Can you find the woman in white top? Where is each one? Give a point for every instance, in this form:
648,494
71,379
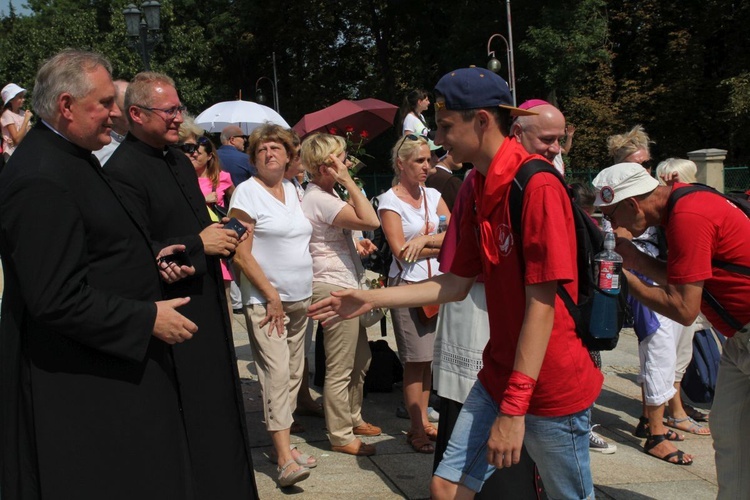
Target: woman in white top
15,123
410,214
414,104
334,268
276,285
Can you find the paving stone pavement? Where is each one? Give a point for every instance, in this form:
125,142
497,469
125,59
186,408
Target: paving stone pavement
398,472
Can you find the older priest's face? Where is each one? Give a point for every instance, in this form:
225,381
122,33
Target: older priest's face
91,115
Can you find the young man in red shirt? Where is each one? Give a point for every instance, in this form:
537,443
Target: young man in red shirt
704,232
538,382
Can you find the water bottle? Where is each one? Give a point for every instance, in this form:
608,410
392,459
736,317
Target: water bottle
443,224
604,308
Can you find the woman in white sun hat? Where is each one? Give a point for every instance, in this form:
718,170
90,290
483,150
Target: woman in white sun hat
15,122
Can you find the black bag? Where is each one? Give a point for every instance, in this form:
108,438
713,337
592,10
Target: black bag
589,242
385,368
380,260
742,204
220,211
699,381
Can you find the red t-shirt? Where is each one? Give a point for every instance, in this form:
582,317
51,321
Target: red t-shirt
568,381
701,227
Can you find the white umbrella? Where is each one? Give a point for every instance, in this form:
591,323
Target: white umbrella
247,115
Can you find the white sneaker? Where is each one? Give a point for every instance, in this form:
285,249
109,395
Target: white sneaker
597,443
432,414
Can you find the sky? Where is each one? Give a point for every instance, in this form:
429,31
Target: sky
4,7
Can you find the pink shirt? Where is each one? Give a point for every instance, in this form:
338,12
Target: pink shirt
225,182
7,118
331,255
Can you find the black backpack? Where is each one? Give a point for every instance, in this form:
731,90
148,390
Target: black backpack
589,242
744,205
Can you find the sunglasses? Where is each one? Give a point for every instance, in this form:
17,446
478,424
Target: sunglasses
608,217
189,148
407,137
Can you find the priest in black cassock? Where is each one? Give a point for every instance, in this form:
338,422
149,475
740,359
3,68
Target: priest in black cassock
89,407
160,183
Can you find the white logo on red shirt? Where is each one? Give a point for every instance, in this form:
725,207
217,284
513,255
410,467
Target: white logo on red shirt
504,239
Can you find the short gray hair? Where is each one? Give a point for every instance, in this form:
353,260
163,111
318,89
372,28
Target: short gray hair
65,72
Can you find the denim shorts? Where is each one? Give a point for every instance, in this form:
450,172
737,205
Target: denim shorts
558,445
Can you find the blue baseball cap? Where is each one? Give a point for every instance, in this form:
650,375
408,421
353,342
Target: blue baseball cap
473,88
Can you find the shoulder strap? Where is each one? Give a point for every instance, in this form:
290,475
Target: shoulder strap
678,193
736,268
524,174
426,227
520,181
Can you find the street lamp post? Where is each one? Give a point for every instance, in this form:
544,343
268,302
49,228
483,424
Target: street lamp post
274,87
494,65
143,28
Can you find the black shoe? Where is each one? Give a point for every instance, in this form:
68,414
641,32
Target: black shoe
237,311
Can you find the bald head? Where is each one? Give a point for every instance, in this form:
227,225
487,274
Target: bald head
540,134
233,135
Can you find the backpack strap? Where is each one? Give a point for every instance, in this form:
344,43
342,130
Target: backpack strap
520,181
524,174
677,194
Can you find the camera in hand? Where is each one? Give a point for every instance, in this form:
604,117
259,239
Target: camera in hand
235,226
179,258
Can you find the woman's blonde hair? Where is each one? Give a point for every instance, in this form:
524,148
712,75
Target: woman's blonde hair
188,129
686,169
404,149
621,146
316,149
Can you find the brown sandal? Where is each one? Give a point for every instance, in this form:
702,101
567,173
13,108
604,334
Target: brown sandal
420,443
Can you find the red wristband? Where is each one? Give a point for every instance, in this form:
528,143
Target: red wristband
517,394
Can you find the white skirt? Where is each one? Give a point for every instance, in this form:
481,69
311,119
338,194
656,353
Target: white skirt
463,330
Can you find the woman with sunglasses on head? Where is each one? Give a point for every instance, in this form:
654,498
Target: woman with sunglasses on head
336,267
409,214
276,288
410,119
216,185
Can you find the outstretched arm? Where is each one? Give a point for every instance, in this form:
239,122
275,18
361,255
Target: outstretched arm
345,304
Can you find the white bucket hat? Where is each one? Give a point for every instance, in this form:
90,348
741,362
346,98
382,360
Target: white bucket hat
10,91
621,181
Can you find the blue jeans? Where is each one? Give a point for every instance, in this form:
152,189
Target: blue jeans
558,445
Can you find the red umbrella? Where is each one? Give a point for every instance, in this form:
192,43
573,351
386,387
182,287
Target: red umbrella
363,119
